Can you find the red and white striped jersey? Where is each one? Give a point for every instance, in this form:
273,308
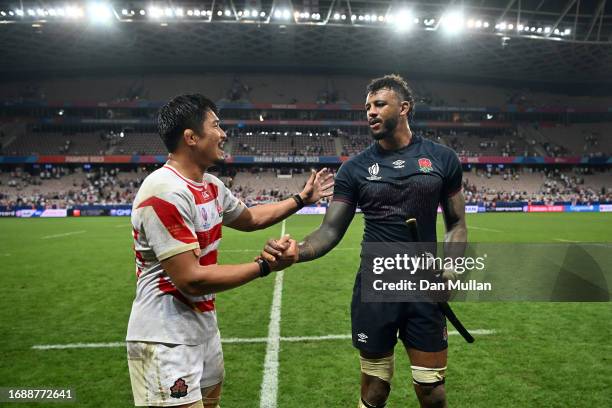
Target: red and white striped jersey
172,214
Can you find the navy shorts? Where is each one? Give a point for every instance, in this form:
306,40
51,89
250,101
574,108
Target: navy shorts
376,326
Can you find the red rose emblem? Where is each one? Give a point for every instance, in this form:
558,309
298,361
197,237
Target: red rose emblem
425,163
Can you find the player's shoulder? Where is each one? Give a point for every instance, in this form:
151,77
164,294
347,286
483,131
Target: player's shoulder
161,183
212,179
166,178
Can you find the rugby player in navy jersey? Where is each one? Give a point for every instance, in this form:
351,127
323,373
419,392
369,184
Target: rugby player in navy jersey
398,177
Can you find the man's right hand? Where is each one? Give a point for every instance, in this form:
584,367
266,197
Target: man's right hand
281,253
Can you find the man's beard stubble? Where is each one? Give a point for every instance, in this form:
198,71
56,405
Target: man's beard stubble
389,126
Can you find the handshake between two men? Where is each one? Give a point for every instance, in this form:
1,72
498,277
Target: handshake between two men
280,253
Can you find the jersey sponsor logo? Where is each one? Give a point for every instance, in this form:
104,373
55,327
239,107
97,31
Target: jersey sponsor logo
398,164
179,389
425,165
373,170
362,337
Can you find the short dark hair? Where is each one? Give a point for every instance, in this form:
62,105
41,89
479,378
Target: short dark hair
395,83
180,113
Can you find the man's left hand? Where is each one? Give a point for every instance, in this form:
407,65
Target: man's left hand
319,185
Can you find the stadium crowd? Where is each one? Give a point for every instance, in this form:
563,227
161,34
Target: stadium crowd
66,187
528,141
554,186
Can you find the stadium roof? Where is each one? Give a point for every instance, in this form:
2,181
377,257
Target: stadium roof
522,40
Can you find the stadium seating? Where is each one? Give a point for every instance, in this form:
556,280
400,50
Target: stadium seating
264,186
92,143
283,88
139,143
538,184
593,139
56,143
353,144
285,143
63,186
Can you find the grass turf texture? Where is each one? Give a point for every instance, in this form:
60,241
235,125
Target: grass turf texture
79,288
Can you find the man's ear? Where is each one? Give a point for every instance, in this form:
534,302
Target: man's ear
405,108
190,137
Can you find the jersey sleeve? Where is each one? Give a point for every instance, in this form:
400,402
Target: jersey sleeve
453,174
232,206
167,222
344,186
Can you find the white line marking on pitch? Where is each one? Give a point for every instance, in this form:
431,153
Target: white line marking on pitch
237,340
269,384
484,229
77,346
65,234
585,243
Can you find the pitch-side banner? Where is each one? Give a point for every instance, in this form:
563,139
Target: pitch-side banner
437,272
153,159
605,208
42,213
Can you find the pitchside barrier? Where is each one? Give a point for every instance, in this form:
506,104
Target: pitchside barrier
126,210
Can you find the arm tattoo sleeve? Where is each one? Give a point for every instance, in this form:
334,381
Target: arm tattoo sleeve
337,219
453,209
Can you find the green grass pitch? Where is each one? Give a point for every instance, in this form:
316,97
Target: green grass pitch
78,288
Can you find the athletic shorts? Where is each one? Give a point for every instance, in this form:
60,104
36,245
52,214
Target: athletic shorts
376,326
164,375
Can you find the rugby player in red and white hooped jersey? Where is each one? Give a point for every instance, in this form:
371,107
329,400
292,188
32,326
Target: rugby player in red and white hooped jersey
173,342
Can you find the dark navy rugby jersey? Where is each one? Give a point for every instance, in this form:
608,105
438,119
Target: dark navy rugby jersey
393,186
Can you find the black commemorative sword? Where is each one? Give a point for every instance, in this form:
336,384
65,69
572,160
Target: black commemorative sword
444,306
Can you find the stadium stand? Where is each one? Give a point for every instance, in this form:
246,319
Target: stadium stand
63,186
592,139
283,143
138,143
258,185
56,143
333,134
280,88
94,143
577,185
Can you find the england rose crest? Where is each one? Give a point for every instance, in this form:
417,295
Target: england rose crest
425,165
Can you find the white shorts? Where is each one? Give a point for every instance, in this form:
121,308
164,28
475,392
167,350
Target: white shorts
165,375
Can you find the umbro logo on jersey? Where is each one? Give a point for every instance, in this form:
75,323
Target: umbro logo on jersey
398,164
362,337
373,170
